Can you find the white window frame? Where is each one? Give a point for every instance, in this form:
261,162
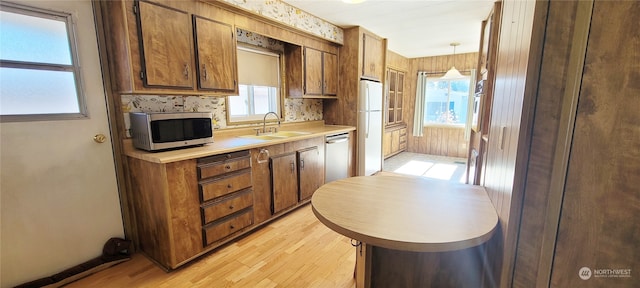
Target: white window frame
279,94
75,68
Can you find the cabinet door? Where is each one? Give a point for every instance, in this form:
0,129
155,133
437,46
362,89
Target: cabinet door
395,141
216,55
372,57
330,72
386,144
313,71
391,92
284,178
165,46
399,97
310,172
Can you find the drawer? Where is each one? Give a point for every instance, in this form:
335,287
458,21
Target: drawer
403,138
213,189
217,231
226,207
217,168
402,146
403,131
223,157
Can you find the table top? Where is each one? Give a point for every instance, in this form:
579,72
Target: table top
407,213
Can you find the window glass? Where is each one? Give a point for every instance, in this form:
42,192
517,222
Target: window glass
53,93
34,39
446,102
39,73
259,86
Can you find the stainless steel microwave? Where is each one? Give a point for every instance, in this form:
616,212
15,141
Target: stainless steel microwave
159,131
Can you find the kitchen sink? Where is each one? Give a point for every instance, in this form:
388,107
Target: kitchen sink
276,135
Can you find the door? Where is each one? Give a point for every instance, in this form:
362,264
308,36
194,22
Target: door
59,196
216,55
330,74
165,46
370,128
310,172
284,178
313,71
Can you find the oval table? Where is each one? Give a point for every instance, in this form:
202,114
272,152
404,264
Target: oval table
412,231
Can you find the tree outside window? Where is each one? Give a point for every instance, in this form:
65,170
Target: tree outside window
446,102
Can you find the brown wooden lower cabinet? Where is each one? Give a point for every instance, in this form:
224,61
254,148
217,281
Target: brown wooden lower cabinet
284,174
187,208
310,169
394,140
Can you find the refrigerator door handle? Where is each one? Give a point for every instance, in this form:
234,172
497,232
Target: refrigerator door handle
368,112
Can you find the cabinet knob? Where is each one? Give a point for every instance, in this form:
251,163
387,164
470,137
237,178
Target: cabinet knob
231,207
229,186
232,227
227,167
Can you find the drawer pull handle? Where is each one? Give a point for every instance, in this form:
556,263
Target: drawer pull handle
229,186
227,167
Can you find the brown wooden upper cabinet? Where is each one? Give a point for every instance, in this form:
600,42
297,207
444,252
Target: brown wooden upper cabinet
165,46
159,49
321,72
372,57
395,94
215,55
311,73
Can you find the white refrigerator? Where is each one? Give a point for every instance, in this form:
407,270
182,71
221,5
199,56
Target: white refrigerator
370,104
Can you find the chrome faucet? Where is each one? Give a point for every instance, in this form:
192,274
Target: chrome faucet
264,121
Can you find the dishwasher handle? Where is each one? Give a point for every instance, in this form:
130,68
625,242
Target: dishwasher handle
337,140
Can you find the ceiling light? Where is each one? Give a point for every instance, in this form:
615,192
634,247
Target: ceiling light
353,1
453,73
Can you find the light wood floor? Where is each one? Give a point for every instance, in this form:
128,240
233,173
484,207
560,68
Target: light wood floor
294,251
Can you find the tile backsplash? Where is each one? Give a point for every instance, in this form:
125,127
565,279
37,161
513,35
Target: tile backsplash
295,110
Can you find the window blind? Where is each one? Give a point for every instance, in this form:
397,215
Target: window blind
257,67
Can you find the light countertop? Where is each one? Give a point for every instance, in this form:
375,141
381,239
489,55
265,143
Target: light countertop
407,213
225,141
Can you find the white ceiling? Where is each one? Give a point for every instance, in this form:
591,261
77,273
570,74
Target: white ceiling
414,28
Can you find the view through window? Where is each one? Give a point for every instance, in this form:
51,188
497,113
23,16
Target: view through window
446,102
39,73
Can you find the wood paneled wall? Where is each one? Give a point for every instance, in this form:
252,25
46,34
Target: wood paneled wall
553,75
397,61
509,130
437,140
581,199
443,141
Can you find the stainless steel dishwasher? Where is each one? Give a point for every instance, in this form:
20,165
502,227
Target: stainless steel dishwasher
336,162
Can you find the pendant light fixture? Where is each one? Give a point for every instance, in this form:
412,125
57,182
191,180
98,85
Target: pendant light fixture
453,73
